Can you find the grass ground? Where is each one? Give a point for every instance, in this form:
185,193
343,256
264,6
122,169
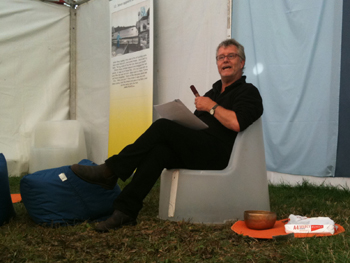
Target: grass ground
154,240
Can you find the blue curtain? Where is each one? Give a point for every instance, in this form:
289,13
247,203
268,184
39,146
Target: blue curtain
293,57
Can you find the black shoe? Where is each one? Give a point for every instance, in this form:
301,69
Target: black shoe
98,174
117,220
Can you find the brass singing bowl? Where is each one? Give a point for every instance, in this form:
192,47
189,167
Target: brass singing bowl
259,220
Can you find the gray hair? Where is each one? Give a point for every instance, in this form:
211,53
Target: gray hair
232,42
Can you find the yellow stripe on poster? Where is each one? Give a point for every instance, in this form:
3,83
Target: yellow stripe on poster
129,118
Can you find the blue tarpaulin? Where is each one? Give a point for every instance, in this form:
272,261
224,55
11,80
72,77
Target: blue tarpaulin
294,56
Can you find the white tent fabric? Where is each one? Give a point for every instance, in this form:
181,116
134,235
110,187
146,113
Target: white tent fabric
293,56
34,73
93,76
34,77
186,37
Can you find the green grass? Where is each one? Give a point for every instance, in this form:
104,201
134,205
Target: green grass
154,240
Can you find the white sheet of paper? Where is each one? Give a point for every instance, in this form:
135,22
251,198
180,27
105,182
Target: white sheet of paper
179,113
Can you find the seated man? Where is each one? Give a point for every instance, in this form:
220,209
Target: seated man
228,108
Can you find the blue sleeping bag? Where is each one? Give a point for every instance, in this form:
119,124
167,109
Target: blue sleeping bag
58,197
6,207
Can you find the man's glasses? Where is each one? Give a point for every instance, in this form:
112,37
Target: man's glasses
230,56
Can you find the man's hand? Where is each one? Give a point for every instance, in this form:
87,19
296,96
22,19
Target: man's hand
226,117
204,103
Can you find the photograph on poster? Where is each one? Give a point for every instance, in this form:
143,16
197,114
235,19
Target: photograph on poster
130,29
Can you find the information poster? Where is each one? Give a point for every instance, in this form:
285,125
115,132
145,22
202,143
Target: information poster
131,96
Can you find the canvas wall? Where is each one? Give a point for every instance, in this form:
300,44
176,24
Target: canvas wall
300,119
34,83
34,73
293,56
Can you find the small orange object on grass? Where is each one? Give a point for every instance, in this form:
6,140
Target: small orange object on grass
16,198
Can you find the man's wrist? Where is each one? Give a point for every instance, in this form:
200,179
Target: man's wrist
212,110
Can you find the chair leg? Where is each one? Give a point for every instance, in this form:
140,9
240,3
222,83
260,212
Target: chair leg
173,193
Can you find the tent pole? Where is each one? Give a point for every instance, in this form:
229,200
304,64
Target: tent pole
73,65
229,18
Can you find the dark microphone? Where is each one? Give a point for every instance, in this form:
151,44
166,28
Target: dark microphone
195,92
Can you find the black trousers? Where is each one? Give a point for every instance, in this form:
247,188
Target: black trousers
165,144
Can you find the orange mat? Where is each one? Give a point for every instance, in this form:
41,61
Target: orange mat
278,230
16,198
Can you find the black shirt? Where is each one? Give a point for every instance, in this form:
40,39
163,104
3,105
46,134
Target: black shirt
242,98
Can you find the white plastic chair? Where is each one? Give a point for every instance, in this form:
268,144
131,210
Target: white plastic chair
55,144
214,197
